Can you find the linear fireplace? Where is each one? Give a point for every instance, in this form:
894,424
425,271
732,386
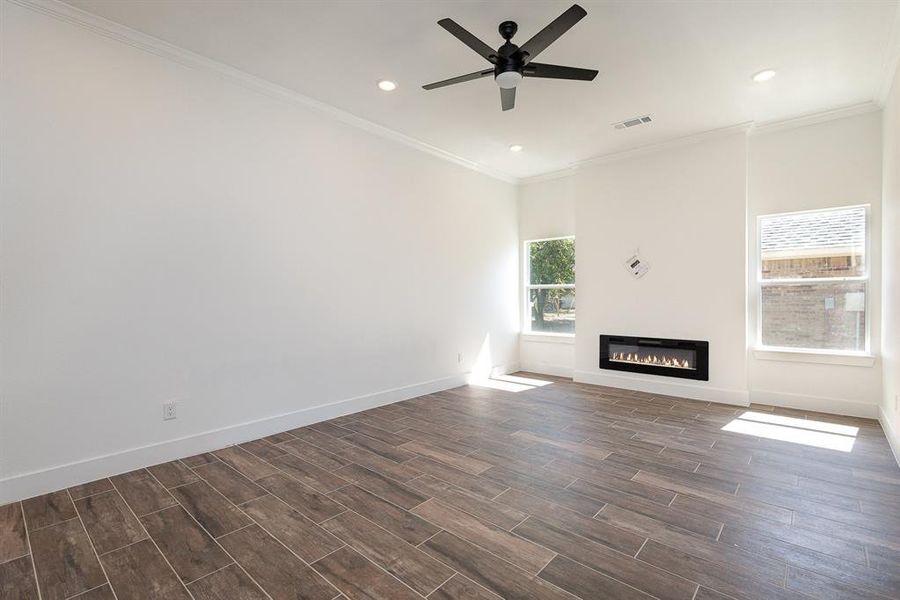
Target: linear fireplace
688,359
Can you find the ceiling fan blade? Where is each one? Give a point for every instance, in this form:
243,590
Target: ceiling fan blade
457,31
552,32
460,79
508,98
558,72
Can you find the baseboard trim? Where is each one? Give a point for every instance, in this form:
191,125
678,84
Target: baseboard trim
506,369
890,433
26,485
834,406
548,369
694,392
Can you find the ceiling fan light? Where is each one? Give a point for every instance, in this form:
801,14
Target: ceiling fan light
386,85
508,79
765,75
515,148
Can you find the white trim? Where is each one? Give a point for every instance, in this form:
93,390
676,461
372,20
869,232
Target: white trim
550,286
821,252
822,404
824,116
890,433
687,140
891,61
55,478
816,210
547,338
815,356
751,127
668,388
677,142
808,280
548,176
501,370
543,368
550,239
141,41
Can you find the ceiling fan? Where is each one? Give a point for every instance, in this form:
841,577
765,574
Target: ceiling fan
511,62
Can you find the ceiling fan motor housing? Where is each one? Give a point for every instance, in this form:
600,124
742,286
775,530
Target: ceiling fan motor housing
510,60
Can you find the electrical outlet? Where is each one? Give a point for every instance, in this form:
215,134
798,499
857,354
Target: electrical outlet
460,358
169,411
897,403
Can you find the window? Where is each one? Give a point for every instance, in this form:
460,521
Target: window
813,275
550,286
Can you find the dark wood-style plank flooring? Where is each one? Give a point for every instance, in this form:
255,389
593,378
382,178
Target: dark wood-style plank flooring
558,491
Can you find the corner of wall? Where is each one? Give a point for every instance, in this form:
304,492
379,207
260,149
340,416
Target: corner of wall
888,414
890,433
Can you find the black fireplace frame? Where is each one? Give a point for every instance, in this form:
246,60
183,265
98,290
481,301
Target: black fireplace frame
701,373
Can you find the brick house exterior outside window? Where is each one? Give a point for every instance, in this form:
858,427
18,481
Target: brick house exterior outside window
813,280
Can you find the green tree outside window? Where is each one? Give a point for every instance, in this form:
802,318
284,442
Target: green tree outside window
551,285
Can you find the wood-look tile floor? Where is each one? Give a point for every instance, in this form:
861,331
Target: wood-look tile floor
555,492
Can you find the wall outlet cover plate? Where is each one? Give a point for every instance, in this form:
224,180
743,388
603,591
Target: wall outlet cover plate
169,411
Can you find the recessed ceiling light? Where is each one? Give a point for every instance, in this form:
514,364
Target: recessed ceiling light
764,75
515,148
386,85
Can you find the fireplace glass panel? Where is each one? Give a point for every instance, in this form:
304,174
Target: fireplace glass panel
675,358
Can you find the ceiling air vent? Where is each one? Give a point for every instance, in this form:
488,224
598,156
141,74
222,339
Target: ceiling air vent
633,122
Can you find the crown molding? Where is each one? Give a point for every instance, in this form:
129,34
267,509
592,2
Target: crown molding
147,43
639,151
749,127
891,61
687,140
548,176
824,116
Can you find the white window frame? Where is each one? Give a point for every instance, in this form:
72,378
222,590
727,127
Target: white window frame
774,351
527,287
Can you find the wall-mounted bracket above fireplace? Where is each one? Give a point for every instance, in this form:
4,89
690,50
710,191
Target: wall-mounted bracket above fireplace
688,359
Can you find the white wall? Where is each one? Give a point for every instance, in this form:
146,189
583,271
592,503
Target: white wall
685,208
890,351
168,234
831,164
686,204
546,210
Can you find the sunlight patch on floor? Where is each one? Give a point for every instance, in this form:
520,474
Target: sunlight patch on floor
509,383
830,436
522,380
800,423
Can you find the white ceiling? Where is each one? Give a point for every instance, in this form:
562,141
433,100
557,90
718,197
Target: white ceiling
688,64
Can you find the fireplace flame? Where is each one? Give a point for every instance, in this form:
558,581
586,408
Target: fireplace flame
653,359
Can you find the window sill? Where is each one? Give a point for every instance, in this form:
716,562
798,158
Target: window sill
821,357
548,338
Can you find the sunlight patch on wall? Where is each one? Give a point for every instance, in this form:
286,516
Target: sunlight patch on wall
483,367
